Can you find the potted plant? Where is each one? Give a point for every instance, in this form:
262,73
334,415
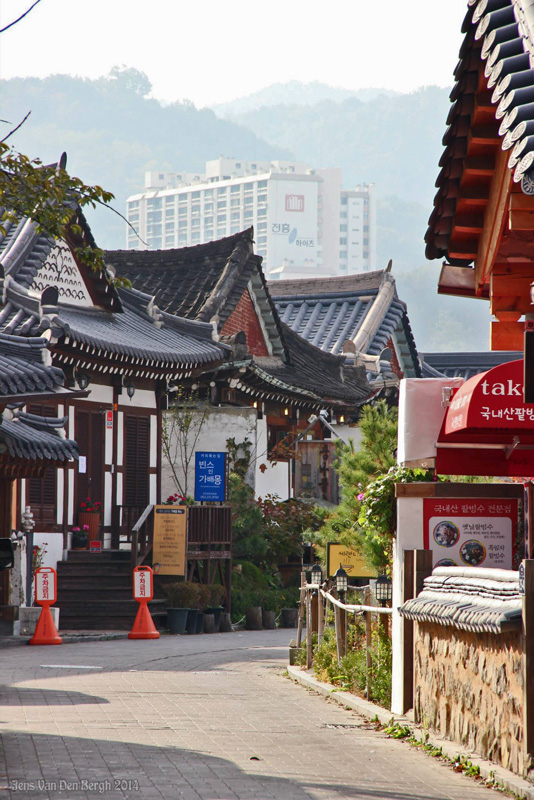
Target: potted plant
182,597
204,595
80,538
89,517
216,603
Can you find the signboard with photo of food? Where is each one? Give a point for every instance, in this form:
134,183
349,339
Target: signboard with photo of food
470,532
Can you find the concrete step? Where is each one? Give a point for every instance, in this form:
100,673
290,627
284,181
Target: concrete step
109,555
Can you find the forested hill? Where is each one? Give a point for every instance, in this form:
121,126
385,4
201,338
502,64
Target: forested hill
112,133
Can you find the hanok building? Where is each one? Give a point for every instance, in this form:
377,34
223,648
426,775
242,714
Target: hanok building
483,217
275,381
117,344
32,445
482,227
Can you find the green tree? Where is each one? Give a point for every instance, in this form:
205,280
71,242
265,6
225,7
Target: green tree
51,198
357,468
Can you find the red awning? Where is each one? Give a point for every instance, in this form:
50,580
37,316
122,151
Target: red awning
488,429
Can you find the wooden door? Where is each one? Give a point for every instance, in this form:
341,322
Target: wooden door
89,433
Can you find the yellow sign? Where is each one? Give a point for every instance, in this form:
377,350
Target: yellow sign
350,559
170,540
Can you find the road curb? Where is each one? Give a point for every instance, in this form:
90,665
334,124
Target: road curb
488,769
68,638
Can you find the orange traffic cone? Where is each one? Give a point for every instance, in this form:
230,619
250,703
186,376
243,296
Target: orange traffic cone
143,627
46,631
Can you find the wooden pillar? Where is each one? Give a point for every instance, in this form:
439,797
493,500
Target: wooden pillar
528,663
301,607
320,617
407,632
309,631
315,612
368,638
422,569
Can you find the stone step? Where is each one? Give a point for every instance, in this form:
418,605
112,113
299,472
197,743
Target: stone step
94,582
102,568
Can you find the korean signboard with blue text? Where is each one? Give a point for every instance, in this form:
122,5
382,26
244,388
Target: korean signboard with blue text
210,477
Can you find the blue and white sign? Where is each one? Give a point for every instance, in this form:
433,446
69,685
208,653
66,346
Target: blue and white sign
210,477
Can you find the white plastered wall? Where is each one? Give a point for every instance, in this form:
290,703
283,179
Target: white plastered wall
409,537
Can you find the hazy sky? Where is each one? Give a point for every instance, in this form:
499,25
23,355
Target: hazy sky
213,51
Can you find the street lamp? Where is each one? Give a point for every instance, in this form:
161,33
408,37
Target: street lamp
316,575
342,581
383,590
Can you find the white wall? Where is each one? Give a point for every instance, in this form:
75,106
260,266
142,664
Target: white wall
221,424
409,537
239,424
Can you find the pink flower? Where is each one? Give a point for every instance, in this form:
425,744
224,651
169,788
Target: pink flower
86,527
360,497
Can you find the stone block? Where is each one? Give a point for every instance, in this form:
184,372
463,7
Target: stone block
28,618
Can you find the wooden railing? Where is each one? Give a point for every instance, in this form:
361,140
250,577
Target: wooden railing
209,531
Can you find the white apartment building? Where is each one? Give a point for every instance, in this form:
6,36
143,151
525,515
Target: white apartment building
305,223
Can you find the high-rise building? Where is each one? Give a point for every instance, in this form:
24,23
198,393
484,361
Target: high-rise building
304,222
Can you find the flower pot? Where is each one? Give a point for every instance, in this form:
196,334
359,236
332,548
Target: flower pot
253,619
209,623
290,617
92,519
79,541
177,619
226,623
216,611
268,619
200,622
191,624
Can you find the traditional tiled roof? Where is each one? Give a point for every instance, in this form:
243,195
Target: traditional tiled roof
207,281
324,376
363,308
122,324
464,365
470,598
204,282
492,110
25,377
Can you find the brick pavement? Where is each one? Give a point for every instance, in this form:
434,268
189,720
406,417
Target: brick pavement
195,718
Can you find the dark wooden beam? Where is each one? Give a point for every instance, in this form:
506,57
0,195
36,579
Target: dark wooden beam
494,219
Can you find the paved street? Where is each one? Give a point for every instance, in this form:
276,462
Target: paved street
195,718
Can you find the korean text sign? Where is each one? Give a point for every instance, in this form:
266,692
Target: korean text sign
471,532
210,477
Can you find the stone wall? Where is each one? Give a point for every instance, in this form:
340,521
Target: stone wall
469,689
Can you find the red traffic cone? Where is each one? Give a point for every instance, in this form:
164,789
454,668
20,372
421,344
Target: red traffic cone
46,631
143,627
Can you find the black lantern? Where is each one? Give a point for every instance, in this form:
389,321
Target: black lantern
342,581
130,390
383,590
82,380
316,575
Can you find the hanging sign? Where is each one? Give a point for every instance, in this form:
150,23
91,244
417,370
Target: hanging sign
170,540
210,477
45,586
339,555
143,589
472,532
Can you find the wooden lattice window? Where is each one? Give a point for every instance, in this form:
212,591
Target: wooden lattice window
136,460
41,493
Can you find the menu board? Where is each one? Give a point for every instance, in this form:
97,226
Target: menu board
170,540
470,532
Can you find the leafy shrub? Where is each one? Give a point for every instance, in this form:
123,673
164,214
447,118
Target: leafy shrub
351,673
204,596
217,594
182,594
